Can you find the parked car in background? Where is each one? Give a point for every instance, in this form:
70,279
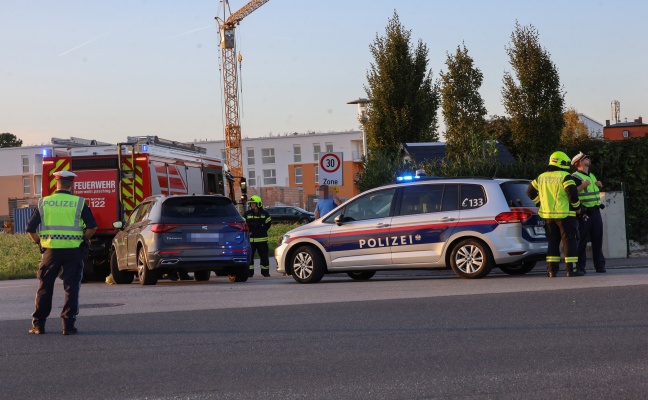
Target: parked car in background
290,214
470,225
166,234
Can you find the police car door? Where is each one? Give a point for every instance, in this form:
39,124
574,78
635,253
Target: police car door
362,237
424,217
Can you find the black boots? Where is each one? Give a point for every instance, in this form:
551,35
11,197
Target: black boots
37,328
265,272
68,327
571,272
552,270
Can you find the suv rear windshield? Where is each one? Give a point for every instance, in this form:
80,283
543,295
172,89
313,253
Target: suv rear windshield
515,193
200,207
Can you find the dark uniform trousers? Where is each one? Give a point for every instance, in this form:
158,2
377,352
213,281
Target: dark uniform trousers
563,230
52,262
591,227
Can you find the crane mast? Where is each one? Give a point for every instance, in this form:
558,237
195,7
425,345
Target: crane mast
226,27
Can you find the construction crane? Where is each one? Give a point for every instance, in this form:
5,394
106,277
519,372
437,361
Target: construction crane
226,26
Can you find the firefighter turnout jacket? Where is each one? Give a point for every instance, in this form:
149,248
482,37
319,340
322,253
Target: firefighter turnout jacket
556,194
258,223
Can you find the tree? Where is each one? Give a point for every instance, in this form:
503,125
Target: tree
535,100
462,105
575,131
404,100
9,140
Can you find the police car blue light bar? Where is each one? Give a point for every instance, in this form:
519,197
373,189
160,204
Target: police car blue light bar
408,178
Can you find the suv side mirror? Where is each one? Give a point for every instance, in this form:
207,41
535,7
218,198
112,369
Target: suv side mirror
118,224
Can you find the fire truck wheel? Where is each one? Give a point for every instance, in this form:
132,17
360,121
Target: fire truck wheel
146,276
202,275
120,277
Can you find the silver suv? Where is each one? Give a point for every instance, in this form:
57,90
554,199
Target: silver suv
468,224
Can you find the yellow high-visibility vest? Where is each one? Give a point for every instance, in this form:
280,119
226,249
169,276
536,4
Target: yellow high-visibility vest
590,196
61,226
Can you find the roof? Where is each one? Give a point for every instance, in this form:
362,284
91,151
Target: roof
436,151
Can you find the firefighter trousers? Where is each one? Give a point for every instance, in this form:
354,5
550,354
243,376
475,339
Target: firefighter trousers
264,261
565,231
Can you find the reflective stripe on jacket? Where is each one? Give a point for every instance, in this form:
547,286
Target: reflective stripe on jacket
552,187
258,224
590,196
61,226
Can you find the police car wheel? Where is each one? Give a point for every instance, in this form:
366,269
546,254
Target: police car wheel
471,259
361,275
145,275
307,265
518,269
120,277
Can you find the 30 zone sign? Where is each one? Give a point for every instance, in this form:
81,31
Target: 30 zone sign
330,169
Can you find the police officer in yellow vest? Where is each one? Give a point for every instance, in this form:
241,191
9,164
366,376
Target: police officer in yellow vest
258,221
557,197
66,223
590,226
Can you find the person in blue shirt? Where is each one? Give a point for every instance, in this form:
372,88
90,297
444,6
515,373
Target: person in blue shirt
325,202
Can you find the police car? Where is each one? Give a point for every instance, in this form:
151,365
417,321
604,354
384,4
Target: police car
468,224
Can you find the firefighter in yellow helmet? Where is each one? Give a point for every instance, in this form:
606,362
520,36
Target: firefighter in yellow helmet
556,195
258,221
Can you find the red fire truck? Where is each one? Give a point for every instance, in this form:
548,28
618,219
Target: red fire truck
114,179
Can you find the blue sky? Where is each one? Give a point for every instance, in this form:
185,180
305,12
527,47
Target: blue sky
106,69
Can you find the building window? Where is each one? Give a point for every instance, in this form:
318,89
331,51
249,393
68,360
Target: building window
250,156
269,177
267,156
329,147
25,164
37,184
251,180
298,175
26,185
316,151
38,164
297,153
316,174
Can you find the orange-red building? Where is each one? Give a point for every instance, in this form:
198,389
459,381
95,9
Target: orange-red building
625,130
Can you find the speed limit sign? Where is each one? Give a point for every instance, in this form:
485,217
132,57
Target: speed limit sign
330,169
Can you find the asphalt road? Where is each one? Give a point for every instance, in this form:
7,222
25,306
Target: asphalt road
398,336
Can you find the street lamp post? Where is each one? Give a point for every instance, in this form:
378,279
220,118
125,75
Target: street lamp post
363,106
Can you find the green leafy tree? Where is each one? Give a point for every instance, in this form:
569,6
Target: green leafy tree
404,100
9,140
533,99
462,105
575,131
499,127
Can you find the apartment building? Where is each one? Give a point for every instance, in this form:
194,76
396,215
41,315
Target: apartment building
291,160
21,176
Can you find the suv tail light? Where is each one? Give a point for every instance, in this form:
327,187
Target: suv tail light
159,228
512,217
241,226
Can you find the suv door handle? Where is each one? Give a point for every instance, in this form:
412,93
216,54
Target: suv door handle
382,225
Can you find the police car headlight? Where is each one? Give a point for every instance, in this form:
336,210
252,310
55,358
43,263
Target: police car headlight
283,239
